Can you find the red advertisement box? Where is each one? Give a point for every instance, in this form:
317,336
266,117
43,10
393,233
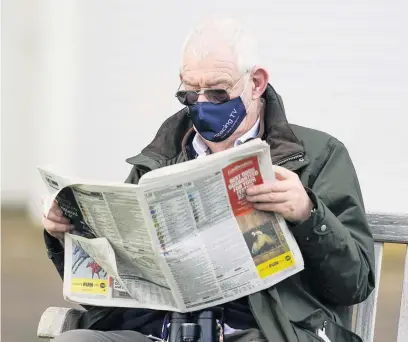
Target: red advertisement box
238,177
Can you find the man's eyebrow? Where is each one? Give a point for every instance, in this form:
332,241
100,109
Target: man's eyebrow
211,82
219,80
188,82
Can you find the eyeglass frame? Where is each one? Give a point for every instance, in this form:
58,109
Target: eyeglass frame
202,91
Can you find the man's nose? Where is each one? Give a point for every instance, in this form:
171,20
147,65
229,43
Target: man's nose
202,98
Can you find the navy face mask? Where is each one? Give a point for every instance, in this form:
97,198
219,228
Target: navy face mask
217,122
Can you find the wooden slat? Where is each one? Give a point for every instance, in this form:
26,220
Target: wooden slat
366,311
392,228
403,318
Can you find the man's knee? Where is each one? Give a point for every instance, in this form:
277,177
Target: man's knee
80,335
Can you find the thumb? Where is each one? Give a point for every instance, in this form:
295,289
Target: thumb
48,203
283,174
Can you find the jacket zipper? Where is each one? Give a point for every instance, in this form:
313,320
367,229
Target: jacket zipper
293,157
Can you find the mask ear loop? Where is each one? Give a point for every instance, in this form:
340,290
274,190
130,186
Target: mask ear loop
252,101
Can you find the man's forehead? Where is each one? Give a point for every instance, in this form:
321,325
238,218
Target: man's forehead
210,71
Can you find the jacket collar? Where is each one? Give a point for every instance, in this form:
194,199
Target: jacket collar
278,133
177,131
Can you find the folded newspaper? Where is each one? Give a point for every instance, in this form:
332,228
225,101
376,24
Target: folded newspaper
183,239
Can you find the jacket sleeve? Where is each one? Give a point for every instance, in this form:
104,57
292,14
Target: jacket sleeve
336,241
55,252
135,175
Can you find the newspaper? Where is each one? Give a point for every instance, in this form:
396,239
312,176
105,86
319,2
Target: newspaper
183,239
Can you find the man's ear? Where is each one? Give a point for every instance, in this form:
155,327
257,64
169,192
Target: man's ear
260,80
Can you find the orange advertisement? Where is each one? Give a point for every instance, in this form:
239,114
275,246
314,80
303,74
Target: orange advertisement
238,177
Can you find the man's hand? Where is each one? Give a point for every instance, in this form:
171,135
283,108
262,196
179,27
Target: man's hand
56,223
285,196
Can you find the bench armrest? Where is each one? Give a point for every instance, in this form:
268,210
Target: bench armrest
54,321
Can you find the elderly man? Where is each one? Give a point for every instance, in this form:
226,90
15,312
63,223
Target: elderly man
229,101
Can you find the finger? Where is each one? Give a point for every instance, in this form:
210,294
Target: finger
259,189
282,173
52,226
275,186
57,235
54,204
271,197
56,210
55,216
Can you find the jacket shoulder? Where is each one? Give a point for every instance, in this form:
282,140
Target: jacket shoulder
320,149
316,143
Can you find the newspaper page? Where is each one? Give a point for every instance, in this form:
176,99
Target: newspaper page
184,239
116,290
82,275
130,277
215,246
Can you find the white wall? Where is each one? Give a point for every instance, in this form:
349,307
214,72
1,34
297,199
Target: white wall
38,104
103,66
16,73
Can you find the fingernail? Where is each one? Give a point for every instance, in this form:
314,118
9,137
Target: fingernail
59,212
71,226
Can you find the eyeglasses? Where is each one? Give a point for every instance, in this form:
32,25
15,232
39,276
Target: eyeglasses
216,96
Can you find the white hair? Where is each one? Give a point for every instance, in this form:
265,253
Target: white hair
208,35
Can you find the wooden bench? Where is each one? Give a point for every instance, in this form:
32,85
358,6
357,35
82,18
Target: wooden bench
386,228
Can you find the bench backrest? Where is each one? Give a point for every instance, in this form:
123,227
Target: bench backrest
386,228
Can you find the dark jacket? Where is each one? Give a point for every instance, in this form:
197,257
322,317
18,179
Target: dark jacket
336,241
